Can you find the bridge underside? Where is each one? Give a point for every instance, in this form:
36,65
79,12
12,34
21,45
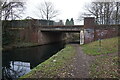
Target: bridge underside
62,29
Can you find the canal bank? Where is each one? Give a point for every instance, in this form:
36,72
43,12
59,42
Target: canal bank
55,66
70,62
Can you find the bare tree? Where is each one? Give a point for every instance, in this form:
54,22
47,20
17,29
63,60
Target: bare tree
0,9
117,14
12,10
47,11
92,9
104,11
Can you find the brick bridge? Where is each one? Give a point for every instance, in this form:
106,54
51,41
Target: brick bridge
49,34
89,34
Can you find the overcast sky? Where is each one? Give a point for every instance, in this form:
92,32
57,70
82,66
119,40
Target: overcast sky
68,8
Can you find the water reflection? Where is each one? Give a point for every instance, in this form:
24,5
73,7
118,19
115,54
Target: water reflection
15,69
20,61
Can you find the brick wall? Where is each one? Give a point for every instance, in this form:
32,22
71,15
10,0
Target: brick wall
94,32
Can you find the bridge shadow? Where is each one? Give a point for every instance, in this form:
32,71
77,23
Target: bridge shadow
74,42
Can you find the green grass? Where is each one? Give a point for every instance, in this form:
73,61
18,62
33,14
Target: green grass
107,46
105,67
52,67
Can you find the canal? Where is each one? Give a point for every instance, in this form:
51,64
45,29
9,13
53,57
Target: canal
20,61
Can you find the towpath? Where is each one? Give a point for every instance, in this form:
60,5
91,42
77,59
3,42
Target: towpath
80,64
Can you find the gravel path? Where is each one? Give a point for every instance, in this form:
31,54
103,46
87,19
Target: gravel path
81,63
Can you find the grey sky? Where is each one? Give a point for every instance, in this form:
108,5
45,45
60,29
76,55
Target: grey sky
68,8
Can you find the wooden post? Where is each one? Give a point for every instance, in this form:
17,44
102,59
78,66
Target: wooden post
79,35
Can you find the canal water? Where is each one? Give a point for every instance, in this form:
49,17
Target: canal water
20,61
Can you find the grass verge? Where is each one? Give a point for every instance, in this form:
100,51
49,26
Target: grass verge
107,46
52,67
105,65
